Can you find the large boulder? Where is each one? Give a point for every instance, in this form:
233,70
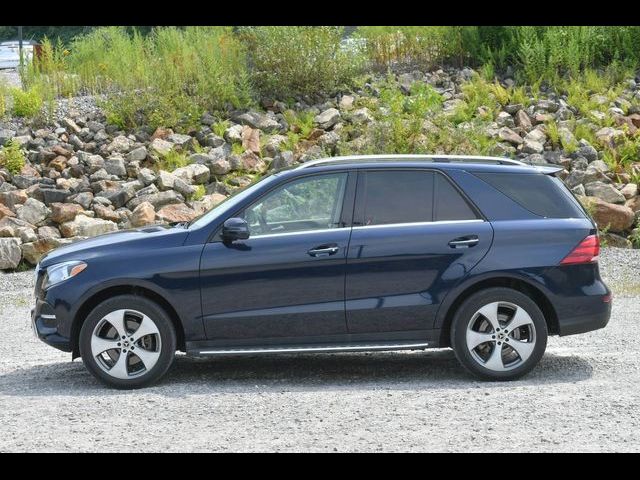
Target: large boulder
143,214
604,191
194,173
177,213
83,226
327,119
617,218
10,253
34,251
33,211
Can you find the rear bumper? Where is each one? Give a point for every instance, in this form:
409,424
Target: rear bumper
45,327
596,316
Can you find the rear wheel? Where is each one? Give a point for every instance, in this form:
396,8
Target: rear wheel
128,342
499,334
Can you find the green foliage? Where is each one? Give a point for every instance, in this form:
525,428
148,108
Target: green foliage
635,237
168,77
237,149
199,193
172,160
290,61
12,158
27,103
300,123
553,133
584,131
3,100
423,46
220,127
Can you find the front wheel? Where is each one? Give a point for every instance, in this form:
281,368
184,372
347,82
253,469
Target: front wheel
499,334
128,341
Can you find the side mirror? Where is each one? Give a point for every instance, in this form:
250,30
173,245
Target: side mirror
235,229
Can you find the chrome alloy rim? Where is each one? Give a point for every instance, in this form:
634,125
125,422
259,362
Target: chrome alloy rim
501,336
126,343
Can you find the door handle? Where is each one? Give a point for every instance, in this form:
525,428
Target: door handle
324,250
464,242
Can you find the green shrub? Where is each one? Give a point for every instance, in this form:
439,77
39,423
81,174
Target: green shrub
199,193
172,160
27,103
423,46
12,158
169,77
289,61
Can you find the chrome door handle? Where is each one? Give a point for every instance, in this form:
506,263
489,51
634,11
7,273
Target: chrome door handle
323,251
464,242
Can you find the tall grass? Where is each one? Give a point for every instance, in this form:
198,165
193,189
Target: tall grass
169,77
288,61
389,46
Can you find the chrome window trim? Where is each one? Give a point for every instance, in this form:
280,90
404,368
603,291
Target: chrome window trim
416,224
299,232
360,227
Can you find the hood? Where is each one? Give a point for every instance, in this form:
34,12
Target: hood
112,242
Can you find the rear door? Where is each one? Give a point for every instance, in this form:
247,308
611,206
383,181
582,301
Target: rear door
415,235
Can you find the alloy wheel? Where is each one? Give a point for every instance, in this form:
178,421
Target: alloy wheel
501,336
126,344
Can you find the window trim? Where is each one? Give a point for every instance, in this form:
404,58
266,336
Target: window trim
346,214
358,215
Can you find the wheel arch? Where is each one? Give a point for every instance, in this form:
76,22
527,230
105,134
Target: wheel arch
95,298
513,282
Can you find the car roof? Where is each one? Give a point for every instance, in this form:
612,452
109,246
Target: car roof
442,162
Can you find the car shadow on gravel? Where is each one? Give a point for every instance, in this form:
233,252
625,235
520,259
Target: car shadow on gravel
418,371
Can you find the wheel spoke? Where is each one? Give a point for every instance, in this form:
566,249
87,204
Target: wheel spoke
495,360
520,319
490,312
99,345
119,369
147,357
147,327
476,338
523,349
116,319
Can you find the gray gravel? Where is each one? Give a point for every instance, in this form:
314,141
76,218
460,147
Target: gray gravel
584,395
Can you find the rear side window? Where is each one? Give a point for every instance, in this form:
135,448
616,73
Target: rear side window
449,203
397,197
540,194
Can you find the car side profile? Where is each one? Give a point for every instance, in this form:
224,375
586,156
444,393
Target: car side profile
487,256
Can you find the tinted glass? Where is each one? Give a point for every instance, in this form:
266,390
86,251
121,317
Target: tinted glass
450,204
398,197
540,194
309,203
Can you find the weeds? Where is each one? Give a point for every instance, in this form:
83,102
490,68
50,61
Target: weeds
12,158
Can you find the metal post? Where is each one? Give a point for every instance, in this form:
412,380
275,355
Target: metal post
20,47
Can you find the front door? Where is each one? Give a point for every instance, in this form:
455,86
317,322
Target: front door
285,284
414,237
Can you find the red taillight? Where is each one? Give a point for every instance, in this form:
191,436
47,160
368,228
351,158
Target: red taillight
586,252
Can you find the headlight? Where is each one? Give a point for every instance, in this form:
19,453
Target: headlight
62,271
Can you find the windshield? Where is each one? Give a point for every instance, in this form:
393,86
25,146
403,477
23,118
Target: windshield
228,203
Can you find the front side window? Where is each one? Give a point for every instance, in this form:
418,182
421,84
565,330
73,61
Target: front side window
309,203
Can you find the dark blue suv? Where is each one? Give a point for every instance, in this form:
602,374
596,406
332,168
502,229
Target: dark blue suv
487,256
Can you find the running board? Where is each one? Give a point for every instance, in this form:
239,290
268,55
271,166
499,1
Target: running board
309,348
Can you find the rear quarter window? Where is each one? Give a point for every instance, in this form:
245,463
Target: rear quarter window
542,195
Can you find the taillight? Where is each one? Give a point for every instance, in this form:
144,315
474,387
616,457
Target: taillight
587,251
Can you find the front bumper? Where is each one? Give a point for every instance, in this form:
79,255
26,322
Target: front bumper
45,326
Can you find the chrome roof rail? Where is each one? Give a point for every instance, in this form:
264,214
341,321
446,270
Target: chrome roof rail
414,157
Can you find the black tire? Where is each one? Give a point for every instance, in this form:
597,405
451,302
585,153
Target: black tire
472,360
166,346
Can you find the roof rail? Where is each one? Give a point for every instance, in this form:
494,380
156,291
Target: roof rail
414,157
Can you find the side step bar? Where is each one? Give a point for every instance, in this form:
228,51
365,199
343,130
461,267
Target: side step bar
308,348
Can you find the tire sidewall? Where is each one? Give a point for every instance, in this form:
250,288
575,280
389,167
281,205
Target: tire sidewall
463,317
154,312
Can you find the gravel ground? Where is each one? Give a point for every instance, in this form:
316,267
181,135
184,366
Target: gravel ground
584,395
